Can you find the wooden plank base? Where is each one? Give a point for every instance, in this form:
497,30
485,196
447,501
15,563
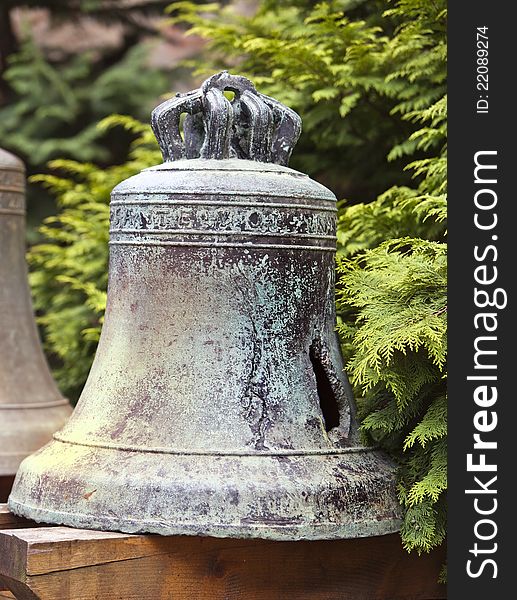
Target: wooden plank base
60,563
10,521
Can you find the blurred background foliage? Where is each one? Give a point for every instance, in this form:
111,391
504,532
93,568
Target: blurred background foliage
369,80
66,64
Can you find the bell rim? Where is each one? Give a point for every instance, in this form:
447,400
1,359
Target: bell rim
307,531
277,498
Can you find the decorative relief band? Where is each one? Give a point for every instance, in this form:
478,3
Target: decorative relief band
208,244
11,178
48,404
12,202
120,200
225,220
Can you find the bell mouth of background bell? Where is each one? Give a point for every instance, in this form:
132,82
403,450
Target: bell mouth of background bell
34,405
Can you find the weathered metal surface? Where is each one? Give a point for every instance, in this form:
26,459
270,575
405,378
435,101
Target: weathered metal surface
31,408
217,403
253,126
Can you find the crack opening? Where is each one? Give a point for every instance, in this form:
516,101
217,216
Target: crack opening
327,398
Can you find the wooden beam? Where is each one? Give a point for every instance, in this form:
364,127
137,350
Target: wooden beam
59,563
10,521
6,483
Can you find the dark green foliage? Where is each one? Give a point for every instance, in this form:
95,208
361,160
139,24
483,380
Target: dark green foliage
129,14
393,295
393,298
51,101
334,62
57,106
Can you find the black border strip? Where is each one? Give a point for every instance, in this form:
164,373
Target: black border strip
472,132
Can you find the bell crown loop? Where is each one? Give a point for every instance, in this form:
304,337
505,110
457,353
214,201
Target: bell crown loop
252,126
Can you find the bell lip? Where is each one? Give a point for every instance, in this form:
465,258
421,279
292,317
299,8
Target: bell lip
291,532
277,498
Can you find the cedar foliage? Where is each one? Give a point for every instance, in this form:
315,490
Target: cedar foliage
369,81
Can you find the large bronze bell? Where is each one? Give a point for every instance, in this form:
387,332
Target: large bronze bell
217,403
31,408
